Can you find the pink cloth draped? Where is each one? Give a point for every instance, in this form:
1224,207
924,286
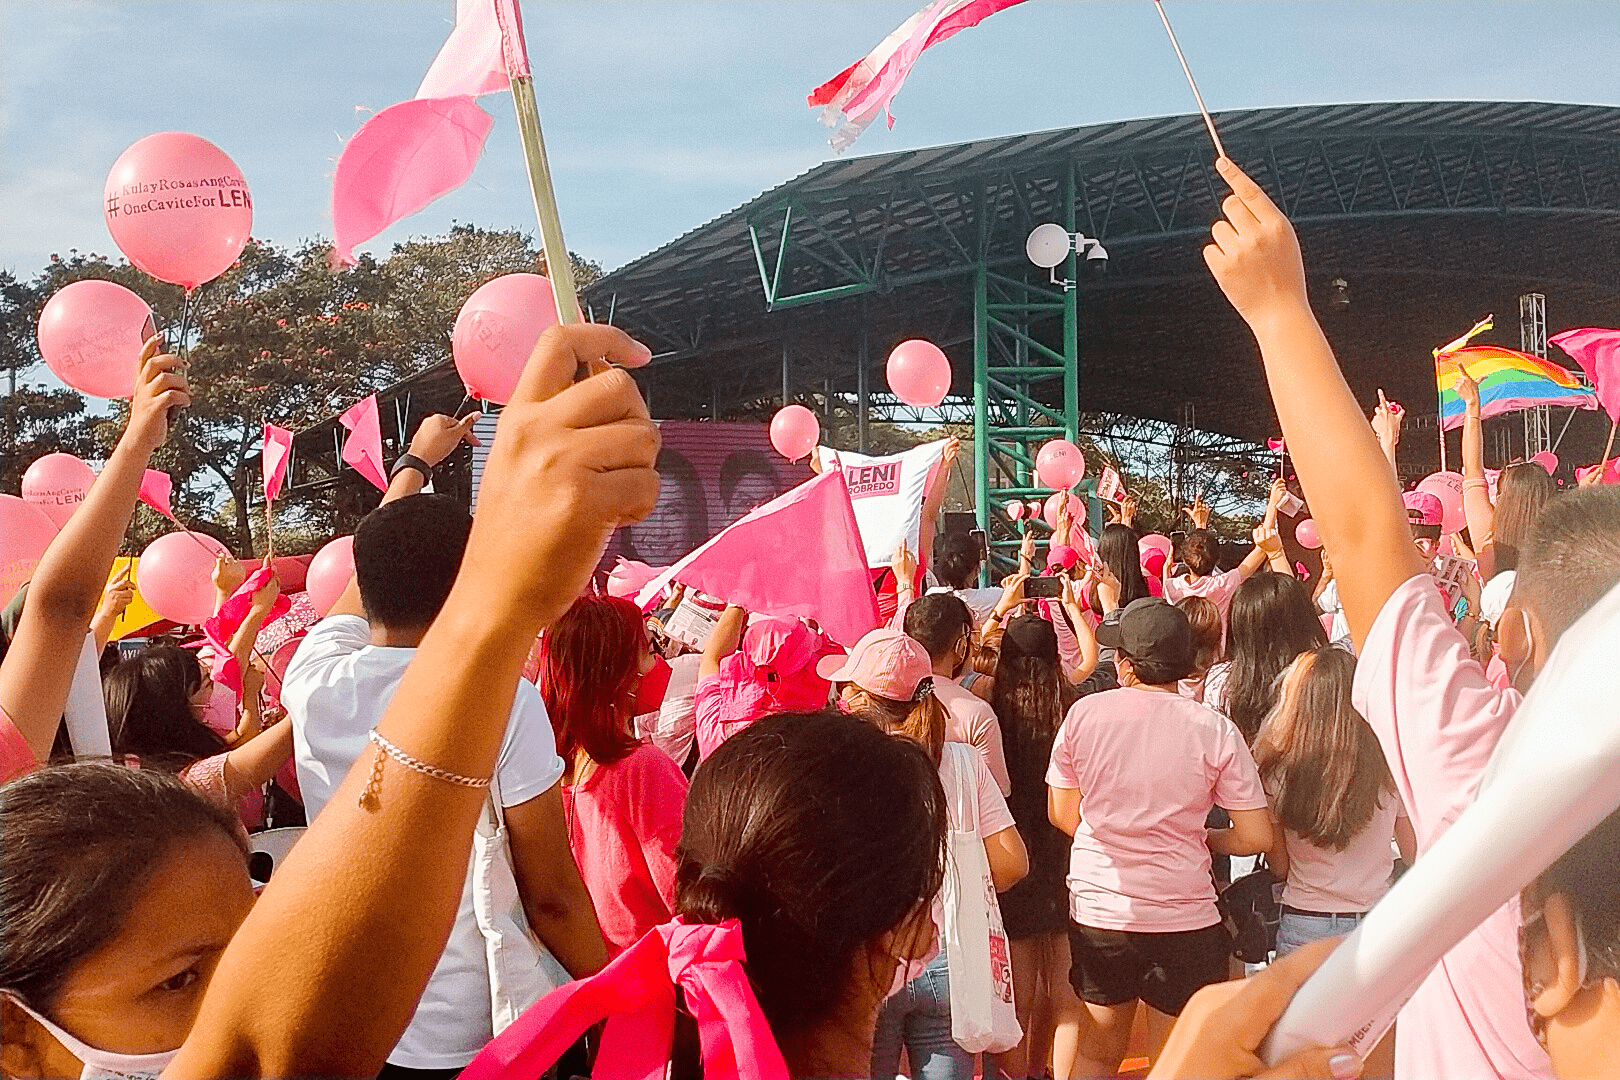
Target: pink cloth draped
636,995
223,667
1597,352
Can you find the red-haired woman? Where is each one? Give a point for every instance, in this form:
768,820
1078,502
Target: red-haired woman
623,798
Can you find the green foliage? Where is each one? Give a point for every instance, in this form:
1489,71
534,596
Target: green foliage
280,338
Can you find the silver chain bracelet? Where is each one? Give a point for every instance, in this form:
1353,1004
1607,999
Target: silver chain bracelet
368,797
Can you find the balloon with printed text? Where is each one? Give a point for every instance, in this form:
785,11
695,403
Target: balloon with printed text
795,431
25,533
57,484
1448,488
176,576
497,330
178,208
91,333
919,374
1060,464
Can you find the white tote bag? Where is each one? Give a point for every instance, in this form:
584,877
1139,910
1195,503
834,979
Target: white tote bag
521,970
978,960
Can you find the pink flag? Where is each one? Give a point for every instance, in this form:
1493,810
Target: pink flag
799,554
1611,473
157,491
1597,352
277,456
363,448
412,153
853,99
481,53
223,666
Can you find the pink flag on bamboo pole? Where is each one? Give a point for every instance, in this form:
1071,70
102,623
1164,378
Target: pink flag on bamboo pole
856,96
1597,351
223,666
157,491
799,554
277,456
412,153
363,448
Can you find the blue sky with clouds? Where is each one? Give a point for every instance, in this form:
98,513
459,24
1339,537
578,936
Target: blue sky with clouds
660,116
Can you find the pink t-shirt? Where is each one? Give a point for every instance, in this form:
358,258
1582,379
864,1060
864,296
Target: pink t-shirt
624,823
1336,882
1439,719
1150,766
16,756
1216,588
970,719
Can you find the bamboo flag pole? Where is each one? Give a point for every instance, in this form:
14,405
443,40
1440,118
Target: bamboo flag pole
515,55
1209,121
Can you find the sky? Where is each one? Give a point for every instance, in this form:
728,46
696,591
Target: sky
661,116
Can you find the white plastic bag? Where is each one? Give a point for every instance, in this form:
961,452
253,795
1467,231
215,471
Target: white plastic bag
978,960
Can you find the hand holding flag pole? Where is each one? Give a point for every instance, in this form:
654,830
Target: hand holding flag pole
1209,121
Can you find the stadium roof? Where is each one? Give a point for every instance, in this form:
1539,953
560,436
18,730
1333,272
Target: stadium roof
1432,213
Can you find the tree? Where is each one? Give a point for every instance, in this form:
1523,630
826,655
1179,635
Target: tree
33,421
280,338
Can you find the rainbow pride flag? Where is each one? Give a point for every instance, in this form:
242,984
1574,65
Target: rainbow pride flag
1508,381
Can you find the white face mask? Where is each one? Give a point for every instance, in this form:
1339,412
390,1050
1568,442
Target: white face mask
101,1064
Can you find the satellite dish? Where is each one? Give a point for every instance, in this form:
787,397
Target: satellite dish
1048,245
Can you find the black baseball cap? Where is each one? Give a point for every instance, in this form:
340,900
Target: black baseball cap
1153,632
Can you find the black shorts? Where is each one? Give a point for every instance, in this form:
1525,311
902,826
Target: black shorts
1112,967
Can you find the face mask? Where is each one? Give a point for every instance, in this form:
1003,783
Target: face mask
654,684
101,1064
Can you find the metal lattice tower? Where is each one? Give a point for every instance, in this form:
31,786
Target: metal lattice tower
1533,340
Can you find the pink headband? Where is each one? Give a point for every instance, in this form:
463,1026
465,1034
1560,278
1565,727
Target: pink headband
636,995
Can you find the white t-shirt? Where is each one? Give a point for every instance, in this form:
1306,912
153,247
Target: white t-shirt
337,688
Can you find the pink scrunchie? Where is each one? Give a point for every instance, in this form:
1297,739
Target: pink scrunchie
636,995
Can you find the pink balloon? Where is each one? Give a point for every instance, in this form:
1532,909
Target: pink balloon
176,576
1015,510
178,207
90,335
1305,533
1077,508
25,533
1060,464
57,484
1448,488
329,574
1036,506
1547,460
919,373
496,332
795,431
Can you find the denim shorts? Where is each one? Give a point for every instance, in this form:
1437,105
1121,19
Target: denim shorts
1298,929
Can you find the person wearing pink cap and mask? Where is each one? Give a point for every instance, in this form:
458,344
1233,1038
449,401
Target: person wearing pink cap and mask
888,678
754,668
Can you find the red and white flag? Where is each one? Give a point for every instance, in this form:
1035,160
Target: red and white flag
855,97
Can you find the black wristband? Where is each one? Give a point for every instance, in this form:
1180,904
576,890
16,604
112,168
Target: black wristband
411,461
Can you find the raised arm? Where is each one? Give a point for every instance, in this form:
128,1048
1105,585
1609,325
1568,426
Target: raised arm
1477,508
67,586
1348,483
436,436
360,911
723,640
935,499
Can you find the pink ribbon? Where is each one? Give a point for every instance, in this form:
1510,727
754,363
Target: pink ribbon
636,995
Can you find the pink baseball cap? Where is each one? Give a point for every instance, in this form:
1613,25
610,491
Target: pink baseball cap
1423,508
1152,561
1062,556
886,663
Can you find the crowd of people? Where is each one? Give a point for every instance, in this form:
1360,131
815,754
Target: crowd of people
990,837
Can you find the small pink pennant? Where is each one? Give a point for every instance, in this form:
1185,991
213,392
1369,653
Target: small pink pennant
363,450
157,491
277,456
223,666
